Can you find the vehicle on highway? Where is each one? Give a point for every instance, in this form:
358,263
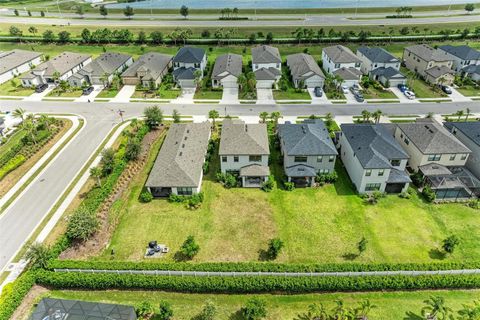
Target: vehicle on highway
41,87
87,91
402,88
409,94
446,89
318,92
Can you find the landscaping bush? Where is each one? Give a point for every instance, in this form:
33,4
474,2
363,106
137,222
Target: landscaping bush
192,202
166,311
146,197
145,310
11,165
289,186
331,177
13,294
133,149
82,224
274,248
189,248
268,185
450,243
417,179
254,309
206,167
228,180
428,194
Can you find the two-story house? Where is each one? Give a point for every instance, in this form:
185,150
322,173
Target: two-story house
227,69
307,151
305,71
244,151
462,56
148,70
15,62
341,61
373,159
468,133
380,65
267,66
433,65
185,64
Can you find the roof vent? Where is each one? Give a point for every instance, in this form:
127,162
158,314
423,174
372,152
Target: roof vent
180,154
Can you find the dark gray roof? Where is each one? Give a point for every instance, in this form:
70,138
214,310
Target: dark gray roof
184,73
255,170
398,176
309,138
265,54
432,138
437,72
106,63
62,63
373,145
300,170
341,54
152,64
428,53
189,55
180,160
472,69
230,63
470,129
12,59
267,74
377,54
303,66
348,73
463,52
243,139
60,309
388,73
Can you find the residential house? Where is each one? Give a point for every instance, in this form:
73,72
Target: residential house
15,62
341,61
373,159
244,151
431,64
178,168
462,56
59,68
439,157
101,70
468,133
267,66
227,69
440,75
148,70
307,151
472,71
380,65
185,63
305,71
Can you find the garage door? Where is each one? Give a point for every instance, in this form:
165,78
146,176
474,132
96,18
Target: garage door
396,82
394,187
313,84
264,84
230,84
187,83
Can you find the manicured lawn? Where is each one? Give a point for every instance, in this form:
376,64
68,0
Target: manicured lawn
291,94
159,94
335,95
8,89
107,93
389,305
373,93
423,90
71,93
469,91
208,94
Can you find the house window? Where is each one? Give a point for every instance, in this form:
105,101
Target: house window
300,159
395,163
319,158
357,65
464,156
407,142
452,157
381,172
224,159
235,159
337,65
372,186
255,158
197,65
368,173
184,191
331,159
278,65
434,157
401,135
256,66
323,171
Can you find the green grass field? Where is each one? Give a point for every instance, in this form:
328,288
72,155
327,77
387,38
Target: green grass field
71,93
12,140
14,89
208,94
389,305
373,93
469,91
291,94
107,93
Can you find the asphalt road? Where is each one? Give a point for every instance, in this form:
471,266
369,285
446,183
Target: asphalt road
22,217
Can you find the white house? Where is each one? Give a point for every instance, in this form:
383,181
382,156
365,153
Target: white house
227,69
305,70
469,134
381,66
341,61
185,63
15,62
462,56
267,66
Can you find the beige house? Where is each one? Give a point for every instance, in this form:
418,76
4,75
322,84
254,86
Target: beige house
440,75
421,58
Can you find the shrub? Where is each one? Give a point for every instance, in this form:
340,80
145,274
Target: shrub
193,202
373,197
82,224
133,149
13,294
176,198
289,186
11,165
146,197
405,195
107,161
166,311
474,203
268,185
206,167
428,194
228,180
189,248
209,311
417,179
254,309
274,247
331,177
362,245
144,310
450,243
39,255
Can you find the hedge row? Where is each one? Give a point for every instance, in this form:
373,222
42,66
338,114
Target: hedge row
13,294
190,284
259,266
12,164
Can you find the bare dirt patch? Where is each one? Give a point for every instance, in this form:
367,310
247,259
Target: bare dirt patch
28,303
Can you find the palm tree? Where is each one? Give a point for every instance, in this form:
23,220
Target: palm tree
467,114
19,113
364,309
315,312
366,116
470,312
29,126
46,121
436,309
376,115
459,114
38,254
104,79
340,312
96,173
429,115
213,114
264,116
275,115
198,77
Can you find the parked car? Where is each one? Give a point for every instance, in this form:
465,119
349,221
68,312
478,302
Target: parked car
359,97
409,94
87,91
41,87
446,89
345,89
402,88
318,92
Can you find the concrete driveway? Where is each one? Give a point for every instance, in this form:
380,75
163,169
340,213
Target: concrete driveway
457,96
96,90
318,100
401,96
186,96
124,94
230,96
39,96
351,98
265,96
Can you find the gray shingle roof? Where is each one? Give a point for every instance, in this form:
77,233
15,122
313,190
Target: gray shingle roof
341,54
308,138
189,55
12,59
428,53
432,138
437,72
180,160
239,138
254,170
463,52
469,129
472,69
265,54
300,170
184,73
230,63
377,54
106,63
62,63
388,73
348,73
267,74
398,176
303,66
373,145
152,63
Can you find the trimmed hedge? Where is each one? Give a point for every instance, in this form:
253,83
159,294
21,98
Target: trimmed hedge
12,164
191,284
14,293
259,266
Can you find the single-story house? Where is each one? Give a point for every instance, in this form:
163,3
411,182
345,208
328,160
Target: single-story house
15,62
305,70
227,69
149,69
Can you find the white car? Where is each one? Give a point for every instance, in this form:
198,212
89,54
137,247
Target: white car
409,94
345,89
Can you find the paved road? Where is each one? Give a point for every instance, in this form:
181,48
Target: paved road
20,220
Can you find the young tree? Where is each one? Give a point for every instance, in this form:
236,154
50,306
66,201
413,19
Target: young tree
157,37
274,247
128,12
189,248
209,311
142,37
38,254
269,38
213,114
275,116
145,310
103,11
82,224
107,161
64,36
263,116
435,308
33,30
254,309
154,117
16,12
184,11
470,312
450,243
15,32
362,245
166,311
315,312
42,13
364,309
133,149
19,113
86,35
96,173
469,7
48,36
176,116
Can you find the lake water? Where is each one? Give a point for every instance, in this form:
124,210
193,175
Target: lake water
199,4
